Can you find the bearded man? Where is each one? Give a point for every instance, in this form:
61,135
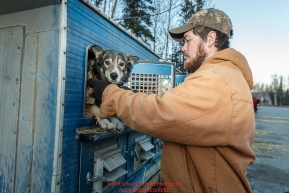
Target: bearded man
207,122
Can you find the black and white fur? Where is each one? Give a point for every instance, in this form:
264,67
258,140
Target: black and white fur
113,66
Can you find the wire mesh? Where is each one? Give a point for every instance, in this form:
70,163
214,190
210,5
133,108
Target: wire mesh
149,83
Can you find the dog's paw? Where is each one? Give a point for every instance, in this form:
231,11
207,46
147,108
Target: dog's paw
119,127
118,124
106,125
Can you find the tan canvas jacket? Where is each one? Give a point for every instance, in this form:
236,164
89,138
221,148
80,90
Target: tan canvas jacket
207,124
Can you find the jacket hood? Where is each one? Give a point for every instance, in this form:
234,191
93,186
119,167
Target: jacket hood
237,59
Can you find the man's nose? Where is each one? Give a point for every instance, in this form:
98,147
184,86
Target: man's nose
184,48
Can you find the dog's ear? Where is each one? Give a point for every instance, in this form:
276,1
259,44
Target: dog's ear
97,51
131,59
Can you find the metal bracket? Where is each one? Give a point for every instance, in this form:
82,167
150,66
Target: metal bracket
158,145
90,178
134,154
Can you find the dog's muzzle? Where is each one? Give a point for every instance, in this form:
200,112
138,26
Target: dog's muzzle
113,75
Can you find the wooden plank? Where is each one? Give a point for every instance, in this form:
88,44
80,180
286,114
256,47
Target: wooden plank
10,68
27,115
45,111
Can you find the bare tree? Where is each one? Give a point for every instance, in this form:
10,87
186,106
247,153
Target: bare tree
157,5
287,87
96,2
280,92
275,87
104,8
266,95
114,8
168,27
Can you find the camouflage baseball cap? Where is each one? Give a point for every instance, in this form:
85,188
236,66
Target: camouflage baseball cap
213,18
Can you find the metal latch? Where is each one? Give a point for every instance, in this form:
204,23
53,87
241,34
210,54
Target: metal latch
91,178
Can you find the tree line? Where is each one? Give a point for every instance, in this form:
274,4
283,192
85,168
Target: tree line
150,20
275,93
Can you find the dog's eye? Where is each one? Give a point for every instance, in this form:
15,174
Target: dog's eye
121,64
107,62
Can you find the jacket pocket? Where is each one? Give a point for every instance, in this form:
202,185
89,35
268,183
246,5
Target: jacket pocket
175,169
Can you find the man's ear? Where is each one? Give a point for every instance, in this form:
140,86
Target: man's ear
211,39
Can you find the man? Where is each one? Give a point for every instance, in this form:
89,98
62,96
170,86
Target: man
256,101
207,122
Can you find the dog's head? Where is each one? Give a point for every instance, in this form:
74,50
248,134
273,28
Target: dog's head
112,65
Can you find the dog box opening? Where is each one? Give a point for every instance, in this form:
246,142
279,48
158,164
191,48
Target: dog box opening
110,65
124,70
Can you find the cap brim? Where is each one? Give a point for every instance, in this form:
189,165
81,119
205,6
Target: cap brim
178,33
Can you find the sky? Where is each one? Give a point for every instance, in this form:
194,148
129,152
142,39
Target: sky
261,34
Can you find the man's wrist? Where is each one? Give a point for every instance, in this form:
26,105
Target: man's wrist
98,88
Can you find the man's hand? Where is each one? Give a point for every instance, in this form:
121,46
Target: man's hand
98,88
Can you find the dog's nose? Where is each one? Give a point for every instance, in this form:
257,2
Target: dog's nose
113,75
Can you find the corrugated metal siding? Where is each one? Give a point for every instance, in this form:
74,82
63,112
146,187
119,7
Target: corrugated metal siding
86,28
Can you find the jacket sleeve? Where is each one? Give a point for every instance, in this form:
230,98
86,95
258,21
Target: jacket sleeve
197,112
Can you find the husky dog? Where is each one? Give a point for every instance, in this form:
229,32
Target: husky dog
113,66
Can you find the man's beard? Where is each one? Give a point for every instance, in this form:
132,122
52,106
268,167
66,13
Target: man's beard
195,64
